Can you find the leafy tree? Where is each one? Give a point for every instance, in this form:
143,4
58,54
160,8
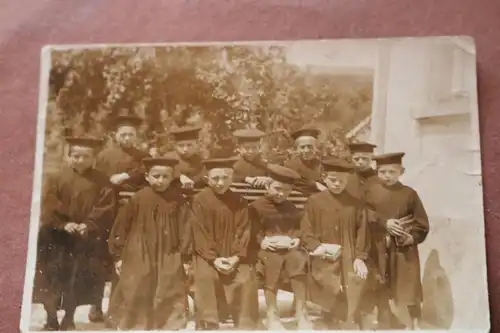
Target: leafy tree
223,88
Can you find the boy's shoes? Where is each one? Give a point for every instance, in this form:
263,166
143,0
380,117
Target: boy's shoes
415,324
96,315
110,323
67,324
350,326
205,326
51,325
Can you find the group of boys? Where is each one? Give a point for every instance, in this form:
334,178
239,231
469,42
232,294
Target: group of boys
351,249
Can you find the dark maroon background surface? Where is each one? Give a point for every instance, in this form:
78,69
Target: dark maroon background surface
25,26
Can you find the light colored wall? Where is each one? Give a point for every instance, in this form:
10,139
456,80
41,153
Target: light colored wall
439,134
418,109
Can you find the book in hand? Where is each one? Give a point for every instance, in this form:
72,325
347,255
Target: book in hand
332,252
406,239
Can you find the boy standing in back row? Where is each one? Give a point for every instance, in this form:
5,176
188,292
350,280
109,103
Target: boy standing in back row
402,215
190,170
250,167
306,163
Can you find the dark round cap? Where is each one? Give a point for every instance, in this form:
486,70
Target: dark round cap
390,158
361,147
127,120
306,131
215,163
186,133
248,135
337,164
84,141
282,174
167,160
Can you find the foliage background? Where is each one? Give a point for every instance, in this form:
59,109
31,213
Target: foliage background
223,88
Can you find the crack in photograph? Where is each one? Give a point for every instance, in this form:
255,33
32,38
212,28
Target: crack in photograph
274,185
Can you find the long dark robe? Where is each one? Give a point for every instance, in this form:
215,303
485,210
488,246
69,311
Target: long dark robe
402,269
221,228
278,219
309,171
71,266
335,219
148,237
116,160
245,167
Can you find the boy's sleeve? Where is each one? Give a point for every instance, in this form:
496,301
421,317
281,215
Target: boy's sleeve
185,232
256,223
121,228
362,246
204,244
420,228
308,238
103,211
243,232
297,217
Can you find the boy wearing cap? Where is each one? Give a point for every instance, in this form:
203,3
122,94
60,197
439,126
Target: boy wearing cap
335,232
187,146
122,162
221,230
277,221
147,243
403,216
72,239
250,167
362,157
306,163
361,180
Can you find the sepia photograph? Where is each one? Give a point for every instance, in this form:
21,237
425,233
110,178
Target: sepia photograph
273,185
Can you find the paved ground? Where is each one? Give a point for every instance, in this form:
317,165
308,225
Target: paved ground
82,323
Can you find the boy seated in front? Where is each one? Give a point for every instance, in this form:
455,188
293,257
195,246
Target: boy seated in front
277,221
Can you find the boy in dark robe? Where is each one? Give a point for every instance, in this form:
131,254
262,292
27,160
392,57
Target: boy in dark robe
403,217
122,163
335,232
362,157
221,230
147,243
72,237
250,167
277,221
190,169
306,163
359,182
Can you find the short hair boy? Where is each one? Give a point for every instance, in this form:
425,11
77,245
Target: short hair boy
403,216
147,243
277,221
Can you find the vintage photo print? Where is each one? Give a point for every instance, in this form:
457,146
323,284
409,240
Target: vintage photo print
298,185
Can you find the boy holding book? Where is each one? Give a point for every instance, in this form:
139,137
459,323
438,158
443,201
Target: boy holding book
404,219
